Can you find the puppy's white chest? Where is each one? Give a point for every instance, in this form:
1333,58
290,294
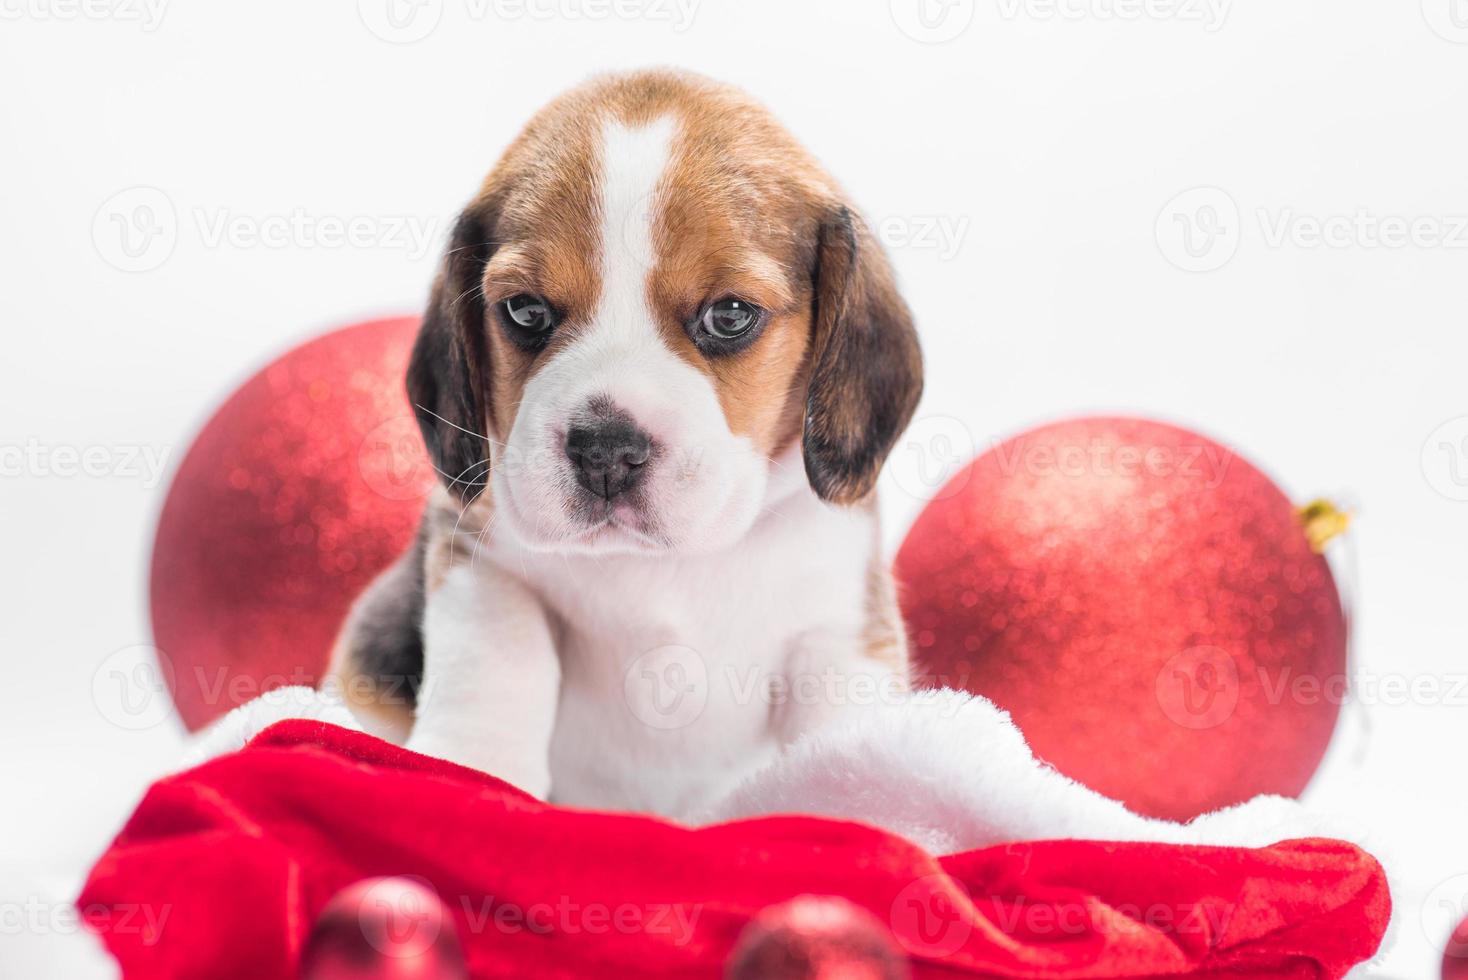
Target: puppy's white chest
675,674
664,719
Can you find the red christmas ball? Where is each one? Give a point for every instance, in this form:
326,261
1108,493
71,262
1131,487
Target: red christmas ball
1455,954
1143,601
816,938
304,485
384,929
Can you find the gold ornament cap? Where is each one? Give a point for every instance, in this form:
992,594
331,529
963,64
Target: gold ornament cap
1323,522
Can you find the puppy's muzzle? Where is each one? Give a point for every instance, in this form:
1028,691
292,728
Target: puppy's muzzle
609,454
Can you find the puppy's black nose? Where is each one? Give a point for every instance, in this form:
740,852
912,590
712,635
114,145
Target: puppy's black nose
608,454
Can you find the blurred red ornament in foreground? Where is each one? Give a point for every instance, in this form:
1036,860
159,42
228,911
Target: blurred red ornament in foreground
304,485
816,938
1455,955
1143,601
384,929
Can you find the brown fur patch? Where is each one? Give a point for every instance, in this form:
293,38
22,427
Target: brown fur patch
737,214
867,371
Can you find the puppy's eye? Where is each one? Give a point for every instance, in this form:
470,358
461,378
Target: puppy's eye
729,319
530,313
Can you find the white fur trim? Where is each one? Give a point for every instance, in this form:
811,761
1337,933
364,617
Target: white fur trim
952,772
243,723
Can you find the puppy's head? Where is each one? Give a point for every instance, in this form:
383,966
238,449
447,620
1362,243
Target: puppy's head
655,295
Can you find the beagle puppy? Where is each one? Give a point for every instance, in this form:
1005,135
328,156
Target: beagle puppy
661,367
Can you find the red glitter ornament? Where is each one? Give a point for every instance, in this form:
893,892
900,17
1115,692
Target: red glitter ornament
384,929
1143,601
816,938
304,485
1455,954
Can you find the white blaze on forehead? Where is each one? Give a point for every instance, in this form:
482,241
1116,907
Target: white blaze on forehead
633,161
708,484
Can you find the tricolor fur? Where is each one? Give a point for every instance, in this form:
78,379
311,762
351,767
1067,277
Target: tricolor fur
646,632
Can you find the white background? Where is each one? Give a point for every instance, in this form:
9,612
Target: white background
1048,144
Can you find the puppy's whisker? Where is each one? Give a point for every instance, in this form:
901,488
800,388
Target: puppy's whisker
481,538
454,532
456,481
481,464
478,435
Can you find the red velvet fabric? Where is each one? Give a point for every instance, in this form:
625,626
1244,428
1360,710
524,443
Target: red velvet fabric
237,856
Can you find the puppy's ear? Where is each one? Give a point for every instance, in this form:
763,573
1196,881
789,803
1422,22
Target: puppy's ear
448,375
866,370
